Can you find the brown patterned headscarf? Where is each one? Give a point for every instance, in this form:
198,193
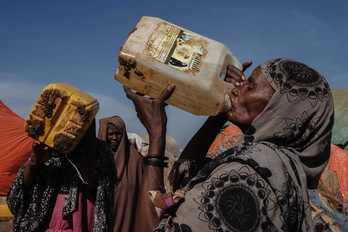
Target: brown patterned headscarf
298,119
299,116
129,168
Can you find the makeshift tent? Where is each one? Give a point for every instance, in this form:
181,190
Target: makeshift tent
15,147
340,129
329,200
333,181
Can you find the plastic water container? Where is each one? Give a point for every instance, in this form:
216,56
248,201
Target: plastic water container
61,116
158,53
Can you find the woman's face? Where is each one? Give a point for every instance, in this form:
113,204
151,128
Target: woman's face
114,136
249,99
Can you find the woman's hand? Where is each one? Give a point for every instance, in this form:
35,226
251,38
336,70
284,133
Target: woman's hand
150,111
40,154
236,76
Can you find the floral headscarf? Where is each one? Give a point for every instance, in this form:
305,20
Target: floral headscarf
299,117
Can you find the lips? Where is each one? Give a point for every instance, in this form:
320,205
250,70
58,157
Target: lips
113,143
231,100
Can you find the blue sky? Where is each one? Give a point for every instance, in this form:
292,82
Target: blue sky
77,42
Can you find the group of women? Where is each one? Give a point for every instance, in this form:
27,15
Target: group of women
285,111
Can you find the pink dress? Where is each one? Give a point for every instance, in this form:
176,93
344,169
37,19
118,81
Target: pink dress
81,220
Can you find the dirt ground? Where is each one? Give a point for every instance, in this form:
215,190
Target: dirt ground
5,225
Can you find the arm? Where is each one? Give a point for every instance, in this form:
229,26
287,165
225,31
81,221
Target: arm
20,192
39,155
199,144
152,115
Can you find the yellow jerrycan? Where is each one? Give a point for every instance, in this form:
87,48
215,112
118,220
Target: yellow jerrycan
60,116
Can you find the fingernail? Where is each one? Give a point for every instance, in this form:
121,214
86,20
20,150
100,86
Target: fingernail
170,87
237,84
243,78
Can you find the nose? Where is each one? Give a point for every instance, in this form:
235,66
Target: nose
113,136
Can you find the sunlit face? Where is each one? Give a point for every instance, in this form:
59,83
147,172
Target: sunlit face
114,136
249,99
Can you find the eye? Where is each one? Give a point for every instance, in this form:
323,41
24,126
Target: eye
248,86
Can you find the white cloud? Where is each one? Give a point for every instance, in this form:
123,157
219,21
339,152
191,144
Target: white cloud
18,95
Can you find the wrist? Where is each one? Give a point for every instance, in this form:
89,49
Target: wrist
155,160
32,163
157,144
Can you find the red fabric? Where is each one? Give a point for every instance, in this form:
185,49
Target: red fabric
15,147
334,177
339,163
226,139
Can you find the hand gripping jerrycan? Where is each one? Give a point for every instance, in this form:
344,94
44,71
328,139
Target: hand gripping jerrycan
158,53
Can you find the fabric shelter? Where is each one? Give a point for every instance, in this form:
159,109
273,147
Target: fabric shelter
15,146
340,129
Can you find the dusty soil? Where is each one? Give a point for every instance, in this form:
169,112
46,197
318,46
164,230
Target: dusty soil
5,225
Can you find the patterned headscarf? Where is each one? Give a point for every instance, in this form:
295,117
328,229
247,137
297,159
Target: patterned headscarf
300,115
297,120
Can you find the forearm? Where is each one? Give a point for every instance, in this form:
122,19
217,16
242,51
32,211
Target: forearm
28,174
146,218
199,145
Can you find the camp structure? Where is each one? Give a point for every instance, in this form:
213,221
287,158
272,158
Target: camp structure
15,148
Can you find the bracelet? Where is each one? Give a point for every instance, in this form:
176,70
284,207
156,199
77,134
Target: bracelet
157,163
156,157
